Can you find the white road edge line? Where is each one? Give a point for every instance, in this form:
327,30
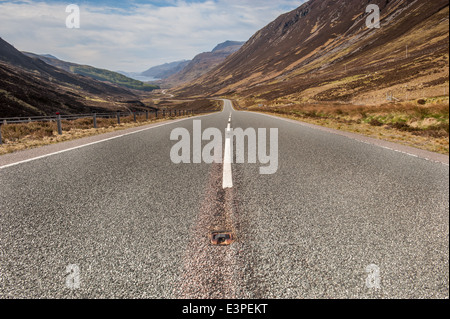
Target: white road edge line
97,142
355,139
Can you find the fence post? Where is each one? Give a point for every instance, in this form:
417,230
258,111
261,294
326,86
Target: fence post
1,141
156,111
134,114
95,120
118,118
146,115
58,120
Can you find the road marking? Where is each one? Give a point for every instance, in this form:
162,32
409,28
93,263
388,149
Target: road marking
355,138
227,171
97,142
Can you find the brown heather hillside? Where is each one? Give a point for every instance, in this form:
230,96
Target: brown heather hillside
30,87
323,52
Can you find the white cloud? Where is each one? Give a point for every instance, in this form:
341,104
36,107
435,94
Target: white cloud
135,39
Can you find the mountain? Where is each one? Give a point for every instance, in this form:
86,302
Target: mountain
228,47
48,56
203,63
32,87
51,60
166,70
323,51
94,73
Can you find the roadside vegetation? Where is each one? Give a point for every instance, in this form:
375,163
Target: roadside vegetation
22,136
423,123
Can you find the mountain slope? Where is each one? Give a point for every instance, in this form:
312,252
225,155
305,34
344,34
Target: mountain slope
228,47
50,60
32,87
203,63
165,70
94,73
323,51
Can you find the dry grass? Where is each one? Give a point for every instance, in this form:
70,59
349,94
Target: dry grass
18,137
423,124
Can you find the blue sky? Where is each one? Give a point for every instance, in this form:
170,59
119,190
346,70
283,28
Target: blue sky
134,35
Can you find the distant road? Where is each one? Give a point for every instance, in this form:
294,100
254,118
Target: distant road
340,219
165,93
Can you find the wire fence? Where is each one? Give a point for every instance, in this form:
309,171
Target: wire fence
117,116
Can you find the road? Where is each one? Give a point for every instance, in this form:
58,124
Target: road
339,219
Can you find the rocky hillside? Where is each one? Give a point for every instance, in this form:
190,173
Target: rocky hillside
323,51
94,73
203,63
31,87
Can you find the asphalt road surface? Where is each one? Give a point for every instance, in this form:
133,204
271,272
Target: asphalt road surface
339,219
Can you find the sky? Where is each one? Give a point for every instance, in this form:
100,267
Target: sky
133,35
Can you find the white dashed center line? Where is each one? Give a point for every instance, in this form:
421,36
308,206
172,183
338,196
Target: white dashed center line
227,172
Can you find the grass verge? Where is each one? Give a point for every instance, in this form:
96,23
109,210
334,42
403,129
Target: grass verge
422,124
17,137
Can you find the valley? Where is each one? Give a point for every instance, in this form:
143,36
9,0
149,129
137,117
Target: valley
309,162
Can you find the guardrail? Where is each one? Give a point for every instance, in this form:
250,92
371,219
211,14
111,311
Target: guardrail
59,118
